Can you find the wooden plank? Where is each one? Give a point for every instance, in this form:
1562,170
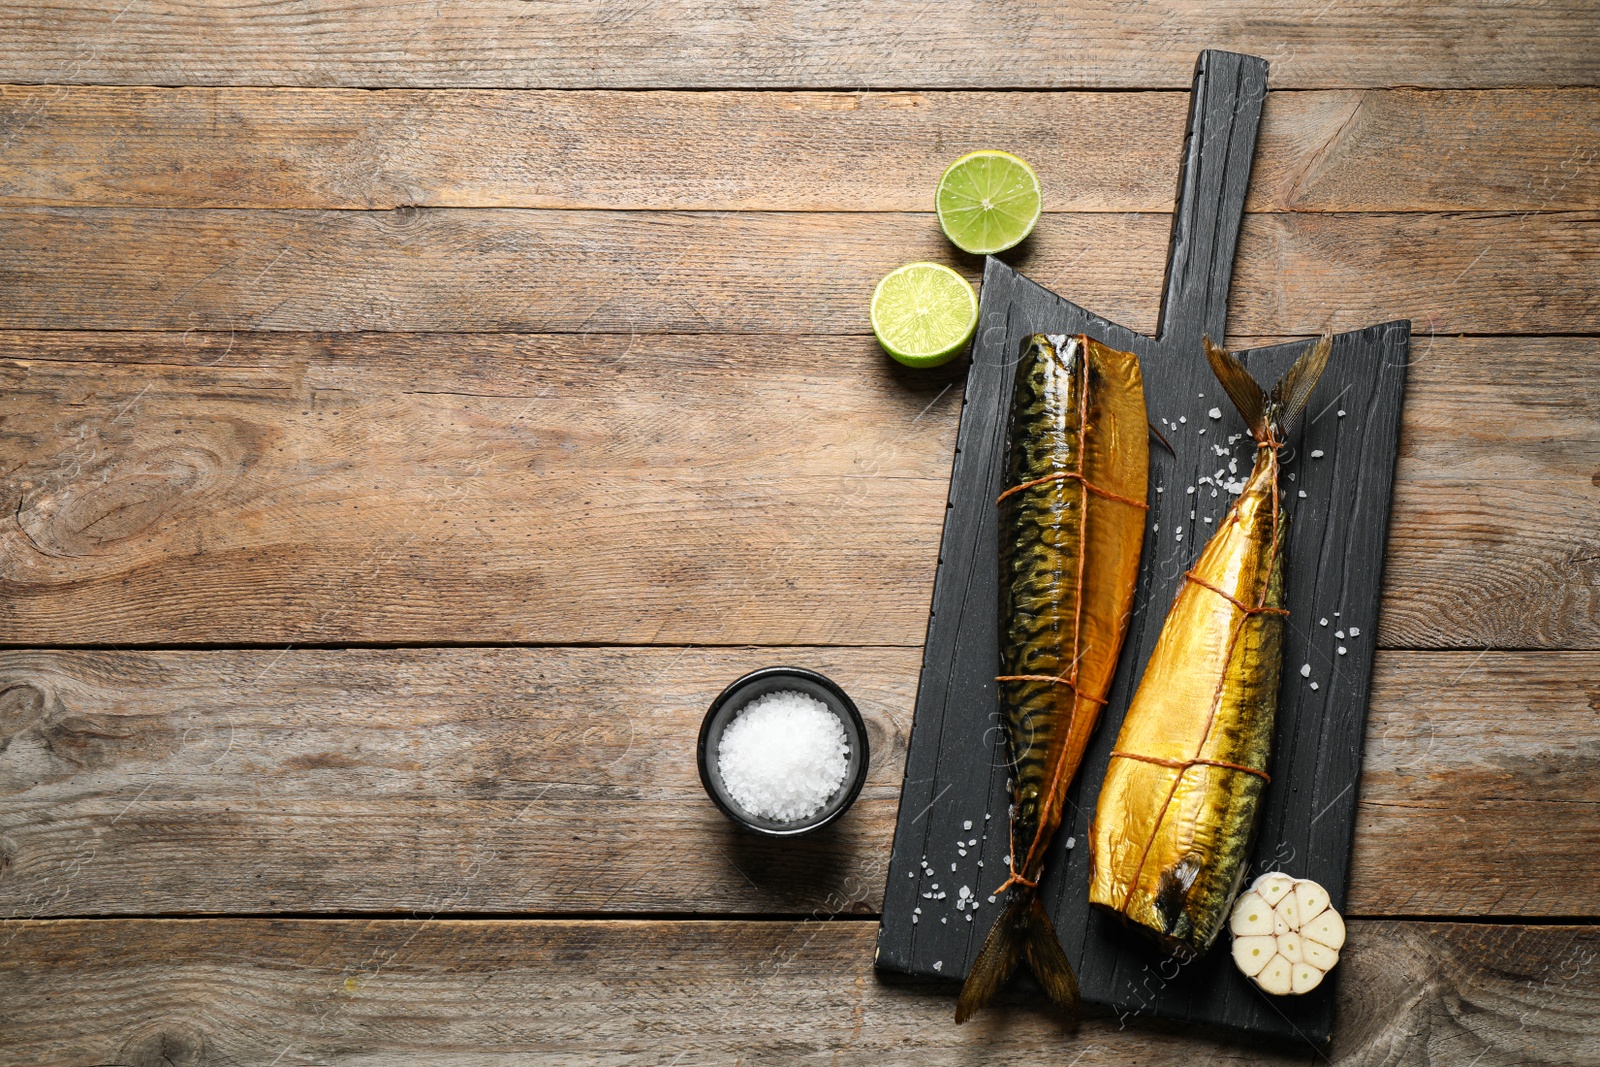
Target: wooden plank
800,43
1348,150
808,272
440,781
258,488
446,993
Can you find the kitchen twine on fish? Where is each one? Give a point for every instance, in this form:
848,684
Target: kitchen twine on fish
1184,765
1071,682
1081,480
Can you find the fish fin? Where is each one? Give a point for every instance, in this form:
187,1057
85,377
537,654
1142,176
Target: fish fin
1290,395
997,959
1270,417
1172,891
1023,930
1048,960
1245,392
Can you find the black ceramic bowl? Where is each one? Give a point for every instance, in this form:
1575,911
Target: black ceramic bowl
758,684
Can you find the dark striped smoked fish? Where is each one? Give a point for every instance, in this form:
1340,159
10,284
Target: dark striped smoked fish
1071,522
1176,818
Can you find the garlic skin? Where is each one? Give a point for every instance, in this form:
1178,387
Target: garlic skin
1286,936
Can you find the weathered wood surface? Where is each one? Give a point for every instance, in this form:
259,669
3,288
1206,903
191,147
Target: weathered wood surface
1377,150
154,993
806,43
497,269
258,488
563,781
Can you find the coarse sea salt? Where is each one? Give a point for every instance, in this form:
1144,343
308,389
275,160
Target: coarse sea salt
783,756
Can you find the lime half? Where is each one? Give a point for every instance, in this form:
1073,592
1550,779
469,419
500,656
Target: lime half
988,201
924,314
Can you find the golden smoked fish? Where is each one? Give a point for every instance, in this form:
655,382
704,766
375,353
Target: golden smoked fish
1071,521
1173,828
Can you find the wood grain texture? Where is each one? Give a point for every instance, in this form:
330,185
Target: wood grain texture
442,269
1377,150
453,993
796,43
264,488
555,781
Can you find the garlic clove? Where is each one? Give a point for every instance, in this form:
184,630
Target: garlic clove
1254,953
1289,947
1310,900
1276,977
1280,923
1326,929
1287,910
1273,887
1304,978
1319,956
1251,916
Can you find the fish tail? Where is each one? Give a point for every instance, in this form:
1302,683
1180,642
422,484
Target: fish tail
1023,931
1270,417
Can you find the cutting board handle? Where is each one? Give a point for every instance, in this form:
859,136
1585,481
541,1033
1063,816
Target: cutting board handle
1218,149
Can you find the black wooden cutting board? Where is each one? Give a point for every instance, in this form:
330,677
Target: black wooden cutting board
951,831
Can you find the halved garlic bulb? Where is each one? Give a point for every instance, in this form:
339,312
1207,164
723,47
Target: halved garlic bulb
1285,934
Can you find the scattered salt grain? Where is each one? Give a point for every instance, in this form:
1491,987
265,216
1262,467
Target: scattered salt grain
1316,453
938,965
1323,622
967,824
1355,631
952,868
783,756
1072,842
914,919
1342,650
1341,413
1190,490
1305,670
1202,429
1339,634
1302,494
1183,418
1215,413
1315,686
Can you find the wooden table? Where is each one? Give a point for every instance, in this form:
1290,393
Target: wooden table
392,478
